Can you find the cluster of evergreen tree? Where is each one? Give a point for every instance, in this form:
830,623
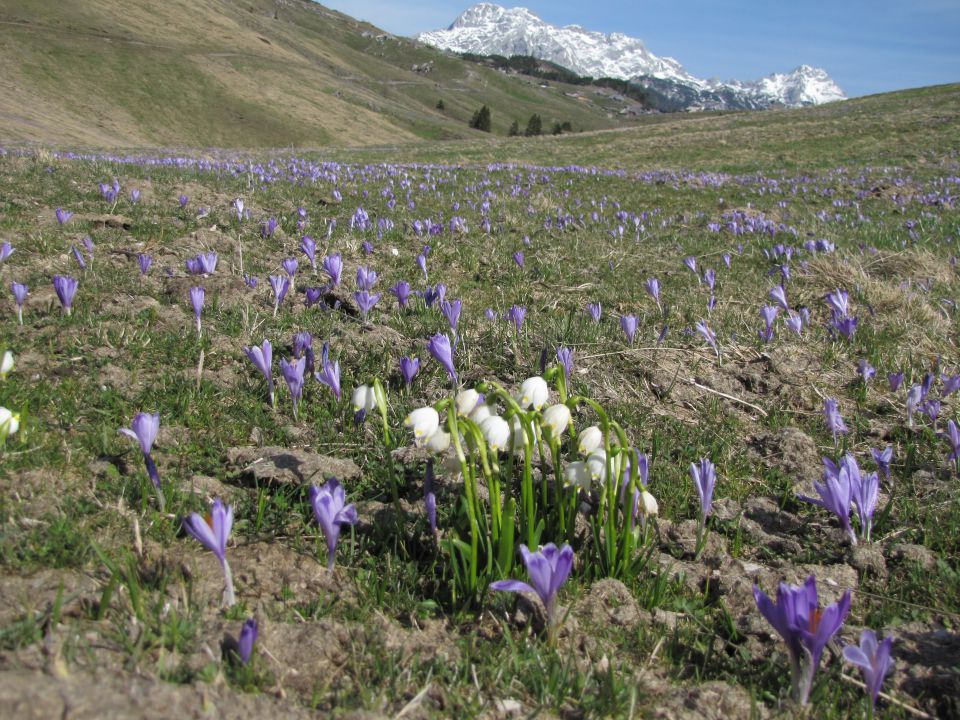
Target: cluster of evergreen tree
481,119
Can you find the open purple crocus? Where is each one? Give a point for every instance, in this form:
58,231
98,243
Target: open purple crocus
836,491
804,626
308,247
365,301
548,569
144,429
213,532
833,418
874,660
331,511
402,292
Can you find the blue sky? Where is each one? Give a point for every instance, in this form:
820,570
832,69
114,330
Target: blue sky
867,47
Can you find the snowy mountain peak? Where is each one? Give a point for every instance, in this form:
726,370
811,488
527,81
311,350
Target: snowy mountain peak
490,29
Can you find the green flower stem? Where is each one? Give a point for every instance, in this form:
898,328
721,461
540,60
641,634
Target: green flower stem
469,489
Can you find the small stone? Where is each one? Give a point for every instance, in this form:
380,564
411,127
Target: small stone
916,554
868,558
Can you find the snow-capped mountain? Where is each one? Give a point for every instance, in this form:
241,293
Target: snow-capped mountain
488,29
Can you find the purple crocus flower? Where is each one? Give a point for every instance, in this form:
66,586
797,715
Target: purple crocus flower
290,265
726,259
434,294
66,288
846,326
490,314
409,367
439,348
518,258
88,246
926,385
833,418
804,626
366,278
629,325
952,436
951,383
653,289
250,281
329,373
873,659
839,302
6,250
331,511
367,247
594,310
710,278
20,292
365,301
262,358
430,498
565,358
145,261
794,321
708,335
779,295
183,199
248,636
303,347
931,408
213,532
78,257
280,285
914,398
548,569
135,196
333,267
238,207
312,296
144,429
309,248
516,314
422,264
268,228
704,476
208,262
451,311
866,371
836,493
193,265
883,458
691,262
769,314
63,216
293,374
197,297
402,292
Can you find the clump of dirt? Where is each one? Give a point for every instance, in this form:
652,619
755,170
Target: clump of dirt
259,466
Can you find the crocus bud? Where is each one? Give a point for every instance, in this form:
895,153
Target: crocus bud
577,474
424,422
380,395
557,418
496,431
533,392
6,365
589,440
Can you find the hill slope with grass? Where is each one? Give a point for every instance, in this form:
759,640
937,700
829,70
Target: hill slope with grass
918,128
260,73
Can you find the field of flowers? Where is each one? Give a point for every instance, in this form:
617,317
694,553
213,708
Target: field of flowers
285,435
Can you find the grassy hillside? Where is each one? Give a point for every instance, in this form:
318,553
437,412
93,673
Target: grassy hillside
245,74
912,128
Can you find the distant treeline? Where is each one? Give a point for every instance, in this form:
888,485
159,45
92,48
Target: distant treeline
546,70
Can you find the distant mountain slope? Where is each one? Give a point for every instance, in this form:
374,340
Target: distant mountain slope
245,73
489,29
